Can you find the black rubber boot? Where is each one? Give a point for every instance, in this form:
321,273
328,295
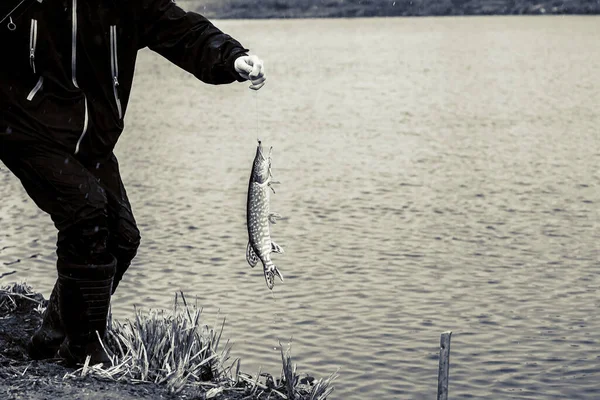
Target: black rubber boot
84,300
45,341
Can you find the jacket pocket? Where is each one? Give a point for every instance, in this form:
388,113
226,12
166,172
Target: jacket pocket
114,68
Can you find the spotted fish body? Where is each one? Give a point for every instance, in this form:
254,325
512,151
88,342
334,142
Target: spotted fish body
259,217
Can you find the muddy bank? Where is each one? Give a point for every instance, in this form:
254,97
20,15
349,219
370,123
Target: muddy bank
22,378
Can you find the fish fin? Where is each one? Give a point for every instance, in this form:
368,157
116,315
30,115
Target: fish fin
251,256
277,272
273,217
270,272
275,248
269,278
271,183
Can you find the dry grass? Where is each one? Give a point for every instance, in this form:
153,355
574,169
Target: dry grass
177,350
165,348
12,296
298,390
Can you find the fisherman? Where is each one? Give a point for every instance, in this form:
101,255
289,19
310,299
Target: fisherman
65,81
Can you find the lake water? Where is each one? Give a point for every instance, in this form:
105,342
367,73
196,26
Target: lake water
436,174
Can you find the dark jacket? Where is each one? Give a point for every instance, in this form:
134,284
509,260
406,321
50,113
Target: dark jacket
67,80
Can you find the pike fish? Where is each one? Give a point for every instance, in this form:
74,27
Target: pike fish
259,216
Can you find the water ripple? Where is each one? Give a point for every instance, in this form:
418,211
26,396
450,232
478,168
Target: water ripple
465,202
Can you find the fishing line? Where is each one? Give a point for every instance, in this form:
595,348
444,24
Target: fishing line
277,316
258,131
256,111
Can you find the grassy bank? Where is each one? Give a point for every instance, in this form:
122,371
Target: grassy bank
250,9
158,354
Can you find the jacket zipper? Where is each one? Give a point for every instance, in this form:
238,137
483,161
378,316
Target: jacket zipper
74,71
32,43
33,33
74,43
114,67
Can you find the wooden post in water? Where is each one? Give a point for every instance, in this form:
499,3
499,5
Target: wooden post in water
444,369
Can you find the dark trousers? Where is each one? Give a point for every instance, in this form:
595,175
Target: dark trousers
85,198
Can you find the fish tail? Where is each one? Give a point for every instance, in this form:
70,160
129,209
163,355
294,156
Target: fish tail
271,271
277,272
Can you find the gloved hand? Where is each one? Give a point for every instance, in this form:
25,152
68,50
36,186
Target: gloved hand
251,68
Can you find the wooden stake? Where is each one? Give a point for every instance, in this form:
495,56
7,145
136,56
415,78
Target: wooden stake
444,369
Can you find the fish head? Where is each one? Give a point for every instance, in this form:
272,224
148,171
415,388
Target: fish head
261,170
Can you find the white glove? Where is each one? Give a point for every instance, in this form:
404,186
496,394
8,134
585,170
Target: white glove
251,68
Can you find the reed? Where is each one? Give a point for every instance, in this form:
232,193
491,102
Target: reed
177,350
13,296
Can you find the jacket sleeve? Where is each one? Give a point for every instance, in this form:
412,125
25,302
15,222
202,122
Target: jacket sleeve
190,41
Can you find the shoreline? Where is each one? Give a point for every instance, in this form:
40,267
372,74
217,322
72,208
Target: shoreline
236,16
304,9
316,18
144,367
